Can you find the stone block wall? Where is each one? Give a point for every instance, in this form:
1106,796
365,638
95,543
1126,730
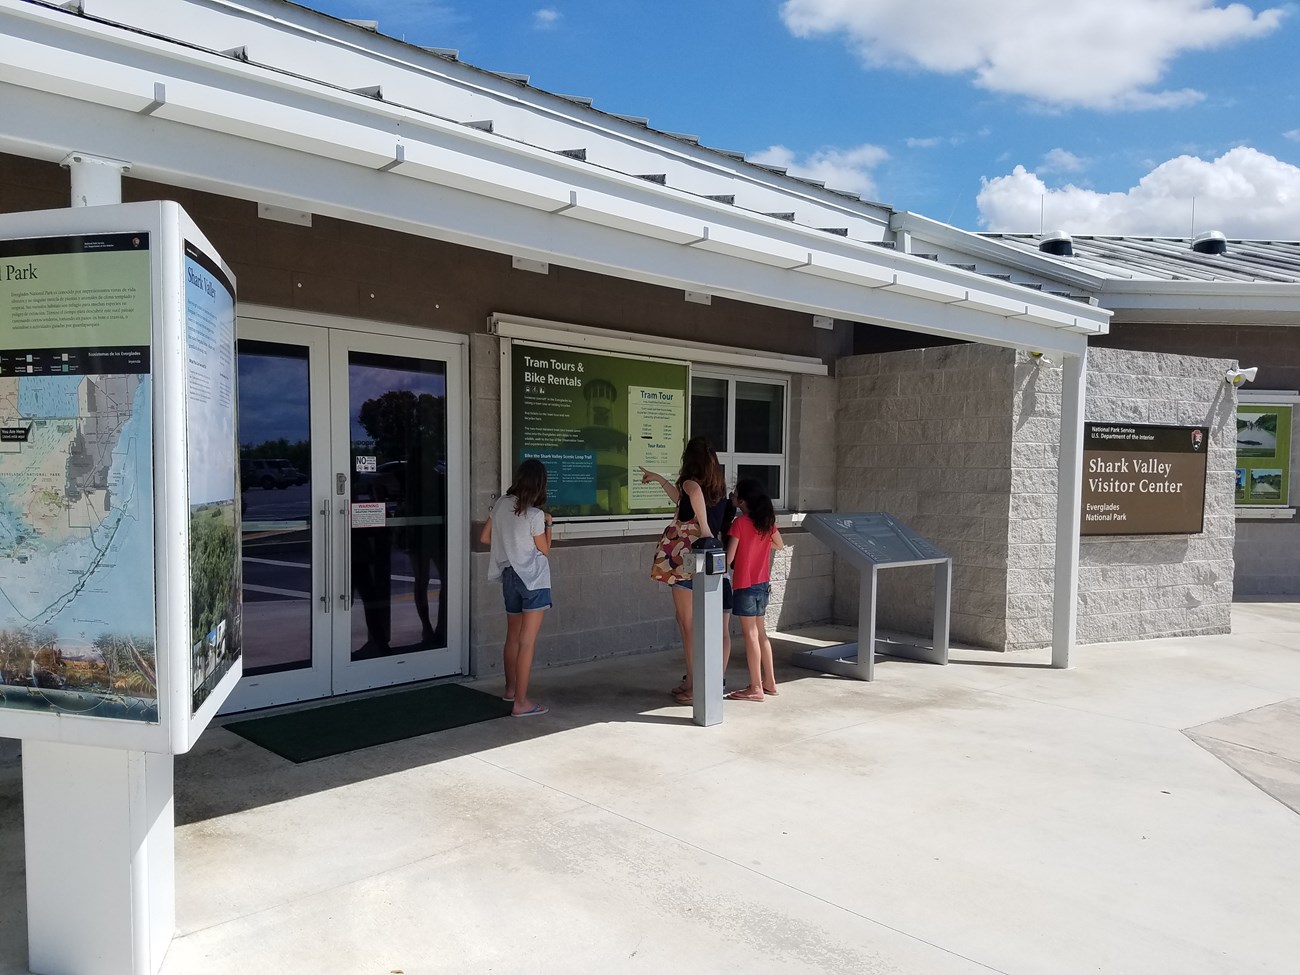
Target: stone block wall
1266,553
962,443
803,574
925,435
1130,587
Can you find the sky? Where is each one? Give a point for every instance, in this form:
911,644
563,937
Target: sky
1151,117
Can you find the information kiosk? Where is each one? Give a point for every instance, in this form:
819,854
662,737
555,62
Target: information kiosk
119,558
871,541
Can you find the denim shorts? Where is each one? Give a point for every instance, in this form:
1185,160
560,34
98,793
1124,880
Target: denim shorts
726,591
518,599
752,600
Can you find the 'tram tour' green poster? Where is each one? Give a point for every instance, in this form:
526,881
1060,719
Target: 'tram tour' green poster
594,419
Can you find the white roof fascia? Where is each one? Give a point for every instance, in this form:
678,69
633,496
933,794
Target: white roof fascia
318,119
313,45
963,241
173,154
1238,301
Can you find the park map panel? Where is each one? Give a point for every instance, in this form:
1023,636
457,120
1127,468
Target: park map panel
77,631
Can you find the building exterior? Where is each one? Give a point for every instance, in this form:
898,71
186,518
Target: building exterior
1206,296
423,249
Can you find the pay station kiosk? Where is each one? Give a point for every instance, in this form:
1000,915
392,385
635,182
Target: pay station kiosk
119,559
871,541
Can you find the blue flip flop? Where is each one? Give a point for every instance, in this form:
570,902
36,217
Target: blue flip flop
532,712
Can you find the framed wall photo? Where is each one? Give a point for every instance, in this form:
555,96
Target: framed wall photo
1263,454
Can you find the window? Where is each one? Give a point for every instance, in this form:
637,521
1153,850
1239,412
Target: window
744,417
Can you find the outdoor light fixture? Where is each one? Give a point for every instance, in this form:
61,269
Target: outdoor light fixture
1238,376
1040,357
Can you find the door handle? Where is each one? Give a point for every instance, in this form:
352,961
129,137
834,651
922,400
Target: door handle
345,517
327,582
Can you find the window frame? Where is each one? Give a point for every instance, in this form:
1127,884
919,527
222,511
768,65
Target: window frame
728,456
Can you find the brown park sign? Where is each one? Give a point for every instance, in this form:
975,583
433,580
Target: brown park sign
1140,479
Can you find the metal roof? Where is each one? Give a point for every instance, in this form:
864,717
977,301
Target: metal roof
1171,258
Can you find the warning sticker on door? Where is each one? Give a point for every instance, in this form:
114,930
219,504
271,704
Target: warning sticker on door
369,514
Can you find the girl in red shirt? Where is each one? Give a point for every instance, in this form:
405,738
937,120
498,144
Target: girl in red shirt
750,543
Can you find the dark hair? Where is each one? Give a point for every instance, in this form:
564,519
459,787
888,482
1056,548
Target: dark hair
529,488
751,491
700,464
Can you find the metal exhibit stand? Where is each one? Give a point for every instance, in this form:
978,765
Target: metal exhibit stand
706,631
872,541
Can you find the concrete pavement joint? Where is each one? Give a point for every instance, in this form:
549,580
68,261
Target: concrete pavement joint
748,869
1103,714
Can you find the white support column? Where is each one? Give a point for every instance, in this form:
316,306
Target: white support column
96,180
1069,496
100,847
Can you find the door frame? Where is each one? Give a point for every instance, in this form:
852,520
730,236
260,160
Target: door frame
312,330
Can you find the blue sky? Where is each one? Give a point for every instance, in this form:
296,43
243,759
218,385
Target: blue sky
1091,116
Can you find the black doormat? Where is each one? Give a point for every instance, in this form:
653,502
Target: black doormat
333,729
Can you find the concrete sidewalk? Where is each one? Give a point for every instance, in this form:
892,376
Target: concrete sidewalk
990,816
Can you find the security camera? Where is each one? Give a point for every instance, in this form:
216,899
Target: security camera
1238,376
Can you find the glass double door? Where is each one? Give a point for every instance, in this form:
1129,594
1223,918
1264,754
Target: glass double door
351,448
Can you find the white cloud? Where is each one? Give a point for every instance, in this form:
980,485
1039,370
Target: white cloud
1062,161
1095,54
930,142
840,169
1244,193
548,18
1293,135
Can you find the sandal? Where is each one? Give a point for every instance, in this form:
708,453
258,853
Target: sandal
745,694
772,693
682,688
683,697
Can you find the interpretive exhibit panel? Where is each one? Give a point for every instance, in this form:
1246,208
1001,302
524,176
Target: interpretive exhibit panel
879,538
211,448
119,528
1264,454
1141,479
76,488
872,541
594,419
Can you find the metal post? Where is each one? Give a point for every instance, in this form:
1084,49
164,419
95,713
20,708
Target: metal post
1069,496
866,669
942,611
96,180
706,645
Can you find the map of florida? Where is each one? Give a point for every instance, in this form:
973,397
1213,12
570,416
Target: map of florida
59,494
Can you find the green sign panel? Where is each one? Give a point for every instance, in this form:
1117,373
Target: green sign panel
1263,454
595,419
